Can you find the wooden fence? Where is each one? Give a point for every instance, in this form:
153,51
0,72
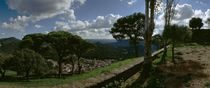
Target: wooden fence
122,73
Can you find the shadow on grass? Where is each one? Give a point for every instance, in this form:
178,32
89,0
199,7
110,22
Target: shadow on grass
172,75
15,78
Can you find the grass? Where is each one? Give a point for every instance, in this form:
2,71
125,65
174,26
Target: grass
207,84
66,80
179,53
168,57
10,73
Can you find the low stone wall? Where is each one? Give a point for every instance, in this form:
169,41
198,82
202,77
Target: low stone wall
123,72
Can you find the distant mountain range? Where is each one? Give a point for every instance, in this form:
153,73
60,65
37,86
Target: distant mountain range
8,45
123,44
103,41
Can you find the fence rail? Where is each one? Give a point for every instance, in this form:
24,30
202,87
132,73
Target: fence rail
124,72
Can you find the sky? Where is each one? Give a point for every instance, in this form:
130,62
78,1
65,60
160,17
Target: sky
90,19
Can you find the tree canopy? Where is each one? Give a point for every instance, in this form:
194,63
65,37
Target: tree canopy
28,61
130,27
4,63
176,34
196,23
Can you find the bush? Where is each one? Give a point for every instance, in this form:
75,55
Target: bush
207,84
27,61
200,36
179,53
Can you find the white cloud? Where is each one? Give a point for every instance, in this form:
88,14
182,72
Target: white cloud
104,22
13,26
69,14
46,32
207,13
98,28
200,2
37,26
38,10
198,13
132,2
182,16
183,12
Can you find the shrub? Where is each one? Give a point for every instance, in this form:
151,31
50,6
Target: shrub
179,53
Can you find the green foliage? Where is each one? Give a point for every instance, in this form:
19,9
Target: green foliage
179,53
33,41
4,63
185,79
115,84
104,51
207,84
67,80
9,45
157,40
156,80
27,61
201,36
196,23
129,27
177,33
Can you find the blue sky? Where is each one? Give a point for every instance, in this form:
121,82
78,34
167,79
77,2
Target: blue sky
90,19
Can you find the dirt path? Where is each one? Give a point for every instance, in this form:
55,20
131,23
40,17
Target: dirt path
192,69
200,55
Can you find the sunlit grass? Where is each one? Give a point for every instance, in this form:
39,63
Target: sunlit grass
66,80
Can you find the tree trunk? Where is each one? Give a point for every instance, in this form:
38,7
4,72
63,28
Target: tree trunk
3,73
173,60
79,65
149,27
27,75
72,72
60,67
136,49
163,60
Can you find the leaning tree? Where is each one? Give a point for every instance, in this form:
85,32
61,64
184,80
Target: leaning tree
129,27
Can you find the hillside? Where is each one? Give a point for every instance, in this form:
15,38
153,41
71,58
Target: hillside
8,45
117,49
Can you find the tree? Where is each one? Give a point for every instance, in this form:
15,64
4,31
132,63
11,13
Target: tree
71,59
129,27
61,41
149,28
82,47
33,41
176,34
157,40
4,63
28,61
169,12
196,23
